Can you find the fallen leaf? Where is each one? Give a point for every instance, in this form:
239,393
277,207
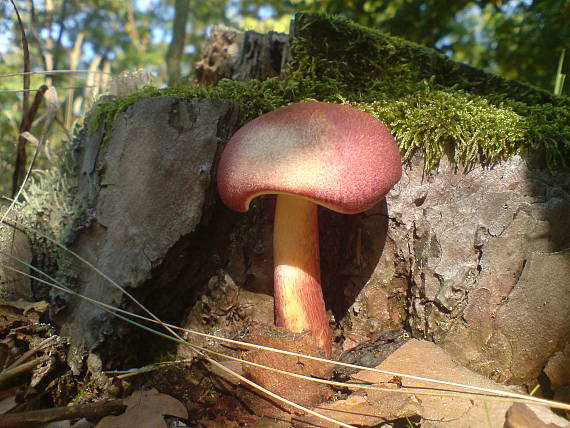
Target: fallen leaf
524,416
423,359
17,313
146,409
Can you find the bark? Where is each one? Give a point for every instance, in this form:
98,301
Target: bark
148,191
237,55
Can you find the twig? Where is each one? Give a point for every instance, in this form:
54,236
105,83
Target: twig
26,51
31,352
123,374
35,417
13,91
88,71
25,126
22,368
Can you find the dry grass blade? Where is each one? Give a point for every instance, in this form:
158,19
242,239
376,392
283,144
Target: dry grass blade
9,91
124,374
89,71
176,337
32,352
28,119
489,396
276,396
485,391
170,327
483,394
11,372
25,126
21,153
90,266
24,136
409,390
26,52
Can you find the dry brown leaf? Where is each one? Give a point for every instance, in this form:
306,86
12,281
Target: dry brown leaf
146,409
524,416
20,312
423,359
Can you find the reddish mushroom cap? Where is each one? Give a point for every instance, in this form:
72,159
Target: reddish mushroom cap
335,155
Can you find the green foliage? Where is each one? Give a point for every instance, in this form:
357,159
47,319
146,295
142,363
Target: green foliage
338,49
526,44
548,128
520,40
421,21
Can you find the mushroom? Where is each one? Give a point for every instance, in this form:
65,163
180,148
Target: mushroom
309,154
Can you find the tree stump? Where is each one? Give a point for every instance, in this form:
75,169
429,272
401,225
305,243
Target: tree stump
146,189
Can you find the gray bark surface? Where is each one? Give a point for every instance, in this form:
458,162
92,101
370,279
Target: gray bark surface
486,251
13,246
146,188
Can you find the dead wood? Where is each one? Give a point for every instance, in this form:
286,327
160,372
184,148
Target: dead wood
90,411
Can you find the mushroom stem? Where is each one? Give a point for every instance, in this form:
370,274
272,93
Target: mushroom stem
299,303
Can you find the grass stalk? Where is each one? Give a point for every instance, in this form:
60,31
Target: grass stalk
560,77
480,392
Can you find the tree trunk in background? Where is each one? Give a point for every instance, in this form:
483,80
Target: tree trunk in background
176,47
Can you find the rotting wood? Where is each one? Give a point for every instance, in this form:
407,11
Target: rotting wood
238,55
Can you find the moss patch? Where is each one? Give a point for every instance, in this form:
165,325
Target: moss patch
435,121
430,103
336,48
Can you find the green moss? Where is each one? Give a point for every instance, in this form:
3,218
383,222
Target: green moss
451,121
336,48
432,104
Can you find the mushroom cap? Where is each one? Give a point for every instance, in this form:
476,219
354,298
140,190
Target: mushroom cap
334,155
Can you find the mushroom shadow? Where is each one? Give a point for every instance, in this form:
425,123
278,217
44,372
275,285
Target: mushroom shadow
351,247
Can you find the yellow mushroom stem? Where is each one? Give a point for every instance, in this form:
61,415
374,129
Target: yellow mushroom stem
299,303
